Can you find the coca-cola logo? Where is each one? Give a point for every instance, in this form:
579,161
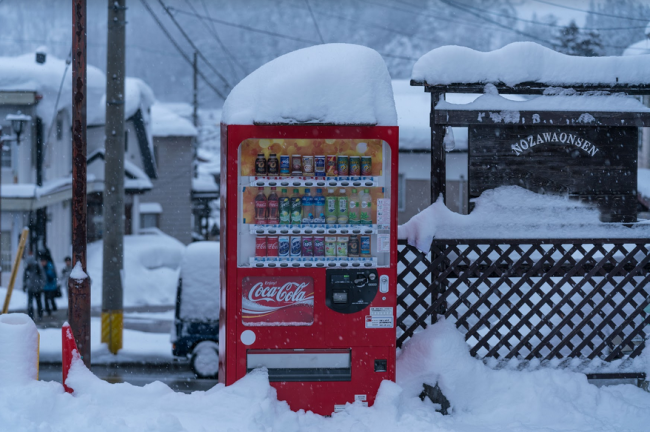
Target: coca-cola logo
290,292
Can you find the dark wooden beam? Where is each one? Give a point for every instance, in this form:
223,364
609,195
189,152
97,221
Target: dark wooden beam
534,87
541,118
438,160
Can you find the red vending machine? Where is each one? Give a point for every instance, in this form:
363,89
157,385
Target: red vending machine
309,260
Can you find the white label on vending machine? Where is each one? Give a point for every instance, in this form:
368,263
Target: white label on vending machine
381,311
339,408
379,321
383,213
383,243
361,398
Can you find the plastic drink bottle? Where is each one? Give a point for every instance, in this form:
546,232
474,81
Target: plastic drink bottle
285,208
307,207
342,208
296,208
365,215
330,207
260,207
355,207
273,203
319,207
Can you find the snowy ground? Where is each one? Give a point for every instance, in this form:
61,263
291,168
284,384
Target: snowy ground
137,346
482,399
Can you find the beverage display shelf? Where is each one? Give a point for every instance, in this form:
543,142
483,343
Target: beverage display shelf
323,182
326,229
318,262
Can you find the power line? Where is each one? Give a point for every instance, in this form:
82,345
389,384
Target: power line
196,49
178,48
216,36
313,18
243,27
591,12
547,24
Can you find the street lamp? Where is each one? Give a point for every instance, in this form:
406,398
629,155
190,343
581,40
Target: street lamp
17,122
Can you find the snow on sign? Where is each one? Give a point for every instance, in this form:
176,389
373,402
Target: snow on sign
278,301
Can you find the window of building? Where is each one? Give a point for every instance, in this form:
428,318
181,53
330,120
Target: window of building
5,251
401,193
149,220
6,154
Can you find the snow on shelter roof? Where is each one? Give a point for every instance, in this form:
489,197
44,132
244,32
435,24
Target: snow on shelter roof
527,62
165,123
330,83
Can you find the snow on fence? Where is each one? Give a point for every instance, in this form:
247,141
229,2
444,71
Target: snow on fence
566,302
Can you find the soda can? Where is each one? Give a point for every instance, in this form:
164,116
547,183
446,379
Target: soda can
308,166
355,165
366,166
330,246
353,246
364,245
307,246
342,246
272,246
296,246
260,165
296,165
319,166
330,166
260,246
283,246
342,165
319,246
285,165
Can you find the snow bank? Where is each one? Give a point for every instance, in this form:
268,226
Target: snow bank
164,123
514,212
18,349
482,399
200,275
549,400
151,265
643,178
522,62
330,83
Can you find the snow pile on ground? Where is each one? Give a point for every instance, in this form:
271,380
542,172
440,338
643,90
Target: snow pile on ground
643,178
137,346
151,264
514,212
522,62
164,123
19,346
330,83
200,281
481,399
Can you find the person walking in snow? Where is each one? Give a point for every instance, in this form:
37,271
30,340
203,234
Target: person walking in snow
65,274
33,280
49,287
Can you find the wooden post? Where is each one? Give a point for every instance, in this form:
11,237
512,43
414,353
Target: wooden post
79,289
438,157
14,269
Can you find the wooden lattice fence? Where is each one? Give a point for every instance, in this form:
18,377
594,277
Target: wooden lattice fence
527,299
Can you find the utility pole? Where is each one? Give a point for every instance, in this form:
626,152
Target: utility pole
79,289
113,268
195,93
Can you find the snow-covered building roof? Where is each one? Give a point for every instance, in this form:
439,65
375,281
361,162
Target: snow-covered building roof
135,180
638,48
165,123
527,62
23,73
330,83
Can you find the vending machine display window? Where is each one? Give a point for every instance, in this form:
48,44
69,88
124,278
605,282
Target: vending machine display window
314,203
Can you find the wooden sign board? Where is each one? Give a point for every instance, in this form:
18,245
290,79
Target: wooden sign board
595,165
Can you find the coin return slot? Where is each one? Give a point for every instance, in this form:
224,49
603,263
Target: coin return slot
381,365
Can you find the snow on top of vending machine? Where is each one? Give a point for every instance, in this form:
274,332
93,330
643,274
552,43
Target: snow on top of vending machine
331,83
